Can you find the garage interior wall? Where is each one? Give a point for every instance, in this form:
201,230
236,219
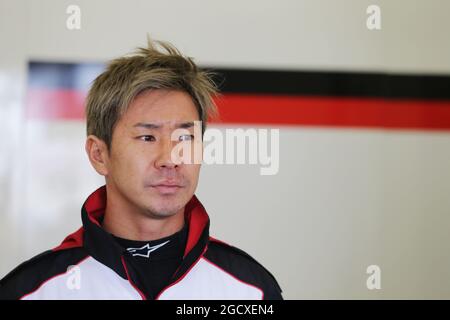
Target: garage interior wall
344,198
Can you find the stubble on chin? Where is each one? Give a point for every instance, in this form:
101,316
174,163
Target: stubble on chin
163,208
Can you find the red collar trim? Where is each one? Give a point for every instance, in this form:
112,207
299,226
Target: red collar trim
195,214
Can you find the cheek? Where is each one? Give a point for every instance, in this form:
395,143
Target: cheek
137,165
129,164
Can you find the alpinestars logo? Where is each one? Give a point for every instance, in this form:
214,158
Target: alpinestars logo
145,250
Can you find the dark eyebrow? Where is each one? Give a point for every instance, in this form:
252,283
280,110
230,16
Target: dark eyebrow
183,125
147,125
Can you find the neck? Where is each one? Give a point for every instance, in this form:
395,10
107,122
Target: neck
124,221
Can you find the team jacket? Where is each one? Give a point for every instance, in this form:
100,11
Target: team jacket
89,264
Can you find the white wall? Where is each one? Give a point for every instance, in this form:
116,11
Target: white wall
343,199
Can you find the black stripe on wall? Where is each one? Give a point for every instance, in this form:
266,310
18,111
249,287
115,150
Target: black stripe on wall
78,76
338,84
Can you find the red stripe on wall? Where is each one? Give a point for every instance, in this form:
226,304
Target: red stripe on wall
55,104
333,111
279,110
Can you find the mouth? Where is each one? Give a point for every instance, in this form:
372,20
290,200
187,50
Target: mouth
167,188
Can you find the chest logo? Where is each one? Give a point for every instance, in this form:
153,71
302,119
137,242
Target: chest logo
145,250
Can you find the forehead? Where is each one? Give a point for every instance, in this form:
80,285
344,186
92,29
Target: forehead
162,107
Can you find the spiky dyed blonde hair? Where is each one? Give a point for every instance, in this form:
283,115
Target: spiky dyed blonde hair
159,66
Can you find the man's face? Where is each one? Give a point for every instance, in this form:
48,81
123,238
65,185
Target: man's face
140,168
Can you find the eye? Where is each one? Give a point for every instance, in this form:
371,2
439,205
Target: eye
186,137
147,138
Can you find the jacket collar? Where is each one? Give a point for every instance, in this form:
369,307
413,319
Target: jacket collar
102,246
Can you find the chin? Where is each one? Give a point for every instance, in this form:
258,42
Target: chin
165,205
165,208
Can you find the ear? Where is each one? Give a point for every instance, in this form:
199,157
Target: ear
98,155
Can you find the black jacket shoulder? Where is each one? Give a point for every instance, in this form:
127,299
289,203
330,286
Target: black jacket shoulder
244,267
31,274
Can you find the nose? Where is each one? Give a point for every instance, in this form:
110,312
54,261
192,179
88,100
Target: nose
164,157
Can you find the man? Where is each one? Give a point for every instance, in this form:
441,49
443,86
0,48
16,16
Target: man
145,235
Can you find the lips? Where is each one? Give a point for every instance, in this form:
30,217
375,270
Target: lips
167,187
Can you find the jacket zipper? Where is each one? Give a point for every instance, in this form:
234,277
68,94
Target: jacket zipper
131,281
182,276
